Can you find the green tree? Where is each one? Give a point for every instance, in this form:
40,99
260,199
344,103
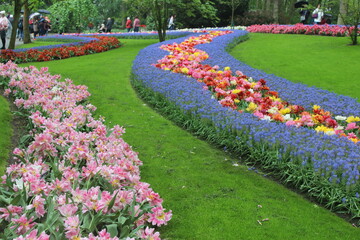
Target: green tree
350,15
233,4
342,12
160,13
196,13
74,15
108,8
18,4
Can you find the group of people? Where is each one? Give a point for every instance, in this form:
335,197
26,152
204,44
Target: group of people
39,25
317,17
129,25
132,25
106,26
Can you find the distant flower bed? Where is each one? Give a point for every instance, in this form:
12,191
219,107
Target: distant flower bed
133,35
325,166
74,178
83,44
55,52
325,30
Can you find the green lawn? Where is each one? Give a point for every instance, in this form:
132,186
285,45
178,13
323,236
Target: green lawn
39,43
5,133
210,198
325,62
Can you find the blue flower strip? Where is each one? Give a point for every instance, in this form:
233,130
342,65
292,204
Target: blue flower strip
336,159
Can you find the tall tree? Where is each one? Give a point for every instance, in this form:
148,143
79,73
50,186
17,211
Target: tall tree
160,12
352,18
342,12
108,8
233,4
18,4
27,38
276,10
74,15
196,13
267,5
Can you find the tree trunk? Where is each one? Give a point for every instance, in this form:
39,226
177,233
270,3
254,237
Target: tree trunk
342,12
256,4
267,5
123,17
160,16
27,38
232,13
17,12
355,34
276,11
282,7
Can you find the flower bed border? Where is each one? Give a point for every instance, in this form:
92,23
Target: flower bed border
253,139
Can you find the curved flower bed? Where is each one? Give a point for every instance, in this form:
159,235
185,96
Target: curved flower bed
75,179
325,30
55,52
325,166
243,94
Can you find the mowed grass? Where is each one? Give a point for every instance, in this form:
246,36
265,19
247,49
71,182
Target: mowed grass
325,62
5,133
210,198
38,44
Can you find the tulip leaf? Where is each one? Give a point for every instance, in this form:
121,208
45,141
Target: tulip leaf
16,200
122,219
112,229
125,231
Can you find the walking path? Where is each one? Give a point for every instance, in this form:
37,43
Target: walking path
17,42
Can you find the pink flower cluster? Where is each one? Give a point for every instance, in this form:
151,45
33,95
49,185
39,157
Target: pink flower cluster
74,168
326,30
243,94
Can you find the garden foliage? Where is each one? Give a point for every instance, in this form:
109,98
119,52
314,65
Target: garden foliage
75,178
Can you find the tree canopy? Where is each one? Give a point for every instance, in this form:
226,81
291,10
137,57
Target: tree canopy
76,15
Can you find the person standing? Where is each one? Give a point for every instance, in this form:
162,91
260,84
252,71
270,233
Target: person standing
36,26
171,25
20,28
136,24
10,19
109,24
304,15
4,24
47,25
318,15
128,24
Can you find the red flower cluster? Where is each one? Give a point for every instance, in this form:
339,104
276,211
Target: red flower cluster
33,55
